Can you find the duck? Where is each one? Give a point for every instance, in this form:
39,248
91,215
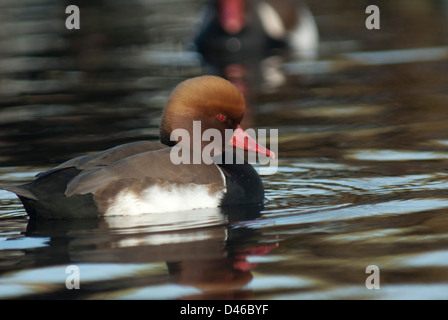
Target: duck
251,29
146,177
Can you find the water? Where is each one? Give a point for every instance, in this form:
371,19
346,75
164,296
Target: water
363,157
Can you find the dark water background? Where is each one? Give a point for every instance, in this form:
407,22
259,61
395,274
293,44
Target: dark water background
363,155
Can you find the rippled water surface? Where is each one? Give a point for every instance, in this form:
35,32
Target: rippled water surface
363,156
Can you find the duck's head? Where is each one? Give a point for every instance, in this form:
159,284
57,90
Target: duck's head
213,103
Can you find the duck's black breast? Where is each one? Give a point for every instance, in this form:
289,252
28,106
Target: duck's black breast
243,184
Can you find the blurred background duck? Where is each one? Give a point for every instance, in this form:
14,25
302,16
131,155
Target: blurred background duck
250,29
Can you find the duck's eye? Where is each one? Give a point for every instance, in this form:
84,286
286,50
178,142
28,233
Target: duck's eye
221,117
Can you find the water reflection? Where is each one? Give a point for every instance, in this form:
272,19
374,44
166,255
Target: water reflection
204,254
362,153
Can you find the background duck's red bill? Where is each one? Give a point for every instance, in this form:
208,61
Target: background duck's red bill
244,141
231,15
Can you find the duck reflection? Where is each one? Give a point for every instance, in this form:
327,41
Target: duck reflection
209,254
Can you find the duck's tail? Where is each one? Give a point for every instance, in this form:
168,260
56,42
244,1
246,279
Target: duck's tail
19,190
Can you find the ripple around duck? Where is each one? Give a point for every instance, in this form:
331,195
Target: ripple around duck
326,192
396,155
48,279
394,292
427,259
357,211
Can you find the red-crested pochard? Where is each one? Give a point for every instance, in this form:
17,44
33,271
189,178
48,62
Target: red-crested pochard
251,28
140,177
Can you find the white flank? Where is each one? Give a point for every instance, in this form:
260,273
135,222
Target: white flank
271,21
157,199
304,39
